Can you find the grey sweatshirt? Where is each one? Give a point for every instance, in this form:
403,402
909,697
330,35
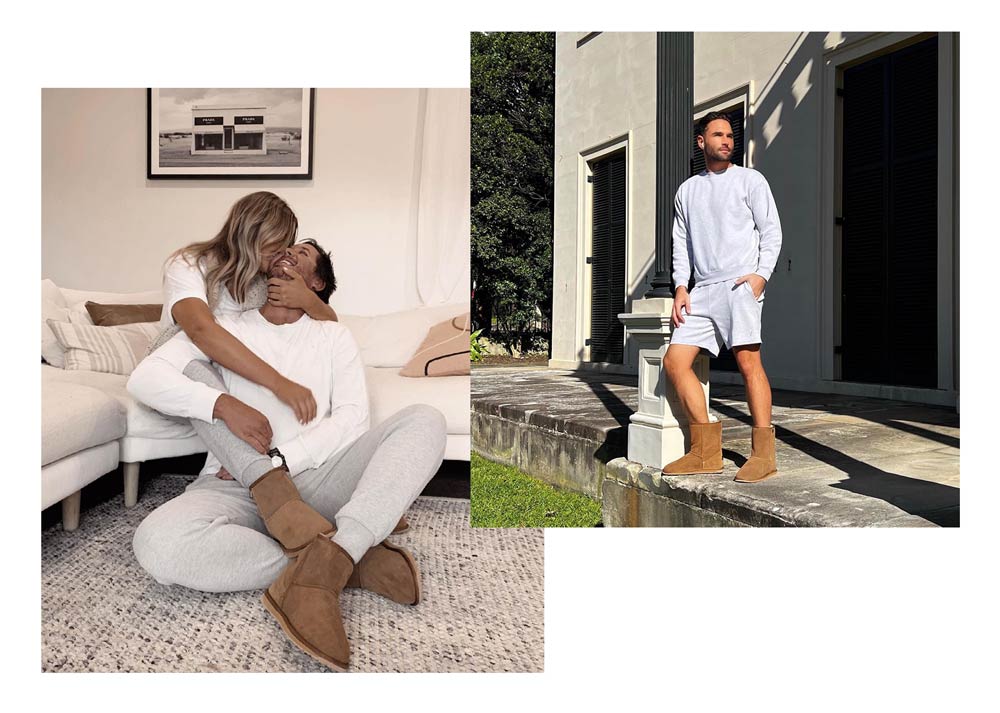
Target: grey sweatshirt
725,225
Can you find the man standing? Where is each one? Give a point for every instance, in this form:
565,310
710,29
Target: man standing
264,517
727,235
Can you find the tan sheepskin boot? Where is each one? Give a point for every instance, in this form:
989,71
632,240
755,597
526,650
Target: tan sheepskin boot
287,517
305,599
762,464
388,570
705,455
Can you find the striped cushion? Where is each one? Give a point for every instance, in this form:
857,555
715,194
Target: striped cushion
114,350
445,351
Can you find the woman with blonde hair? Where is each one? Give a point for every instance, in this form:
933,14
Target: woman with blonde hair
226,274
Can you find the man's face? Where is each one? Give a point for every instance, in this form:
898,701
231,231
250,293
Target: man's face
717,143
300,258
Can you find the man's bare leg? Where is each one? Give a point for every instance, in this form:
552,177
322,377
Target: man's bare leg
758,387
678,363
705,454
762,463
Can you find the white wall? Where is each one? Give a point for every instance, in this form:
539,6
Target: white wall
605,91
106,227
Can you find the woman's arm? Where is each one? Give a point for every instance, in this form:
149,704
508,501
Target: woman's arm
295,293
197,321
321,311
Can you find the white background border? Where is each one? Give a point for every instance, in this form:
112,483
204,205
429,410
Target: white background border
677,619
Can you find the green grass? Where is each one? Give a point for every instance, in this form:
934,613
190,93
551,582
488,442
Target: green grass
503,496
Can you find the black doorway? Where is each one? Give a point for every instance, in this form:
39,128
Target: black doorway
889,219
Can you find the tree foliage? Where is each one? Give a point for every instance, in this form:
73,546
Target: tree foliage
513,92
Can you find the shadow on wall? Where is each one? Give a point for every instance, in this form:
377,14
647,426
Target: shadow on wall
784,130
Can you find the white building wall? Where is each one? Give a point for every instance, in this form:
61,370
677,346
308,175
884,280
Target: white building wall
606,88
605,93
106,227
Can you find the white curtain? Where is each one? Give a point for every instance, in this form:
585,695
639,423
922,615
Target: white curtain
443,220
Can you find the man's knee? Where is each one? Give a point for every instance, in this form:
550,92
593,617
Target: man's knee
424,414
151,546
748,358
677,361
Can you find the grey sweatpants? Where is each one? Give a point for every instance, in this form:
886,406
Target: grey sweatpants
211,537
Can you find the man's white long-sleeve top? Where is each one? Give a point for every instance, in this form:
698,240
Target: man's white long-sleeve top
320,355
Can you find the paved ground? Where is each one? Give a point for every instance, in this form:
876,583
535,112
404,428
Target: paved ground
901,457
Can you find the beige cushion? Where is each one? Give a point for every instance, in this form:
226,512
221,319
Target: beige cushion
114,315
52,352
444,351
76,417
115,350
391,339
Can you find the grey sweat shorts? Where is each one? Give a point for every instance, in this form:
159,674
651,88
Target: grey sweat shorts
721,313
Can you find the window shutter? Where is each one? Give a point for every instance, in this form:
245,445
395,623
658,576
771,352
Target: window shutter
607,298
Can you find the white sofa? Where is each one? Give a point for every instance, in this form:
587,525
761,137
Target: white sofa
90,423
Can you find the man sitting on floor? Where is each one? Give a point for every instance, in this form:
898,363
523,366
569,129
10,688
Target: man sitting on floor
332,469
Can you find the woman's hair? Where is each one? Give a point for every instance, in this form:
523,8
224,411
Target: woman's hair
256,221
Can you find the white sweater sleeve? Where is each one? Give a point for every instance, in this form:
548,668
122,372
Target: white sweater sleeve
681,245
348,419
765,216
159,381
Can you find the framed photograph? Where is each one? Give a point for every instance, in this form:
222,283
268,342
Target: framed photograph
229,133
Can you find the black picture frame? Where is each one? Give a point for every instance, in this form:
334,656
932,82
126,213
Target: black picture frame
303,171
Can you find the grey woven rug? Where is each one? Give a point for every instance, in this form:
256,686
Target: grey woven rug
482,605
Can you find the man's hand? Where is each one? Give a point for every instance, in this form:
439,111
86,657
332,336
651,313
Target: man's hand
298,398
224,474
756,283
290,291
245,422
681,299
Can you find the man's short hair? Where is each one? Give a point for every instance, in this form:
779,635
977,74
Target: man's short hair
711,116
324,271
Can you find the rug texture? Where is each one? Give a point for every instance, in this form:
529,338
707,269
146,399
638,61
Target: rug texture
482,605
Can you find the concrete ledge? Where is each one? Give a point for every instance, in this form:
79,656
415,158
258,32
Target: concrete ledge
636,497
564,457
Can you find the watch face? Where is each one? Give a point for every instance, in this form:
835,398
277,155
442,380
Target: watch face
275,461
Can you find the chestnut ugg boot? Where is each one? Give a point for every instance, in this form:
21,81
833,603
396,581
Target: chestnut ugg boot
287,517
388,570
705,455
761,464
305,599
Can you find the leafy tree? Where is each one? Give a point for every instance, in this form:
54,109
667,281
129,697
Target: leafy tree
513,91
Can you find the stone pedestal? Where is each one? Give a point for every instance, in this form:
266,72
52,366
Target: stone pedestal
657,433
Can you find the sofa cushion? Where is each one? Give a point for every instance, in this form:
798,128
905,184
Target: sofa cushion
388,392
141,421
52,351
391,339
115,350
115,315
444,351
77,417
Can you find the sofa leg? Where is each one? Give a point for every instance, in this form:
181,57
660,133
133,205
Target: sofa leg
131,484
71,511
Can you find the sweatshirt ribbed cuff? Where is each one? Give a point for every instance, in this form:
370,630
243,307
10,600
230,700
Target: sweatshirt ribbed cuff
203,398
